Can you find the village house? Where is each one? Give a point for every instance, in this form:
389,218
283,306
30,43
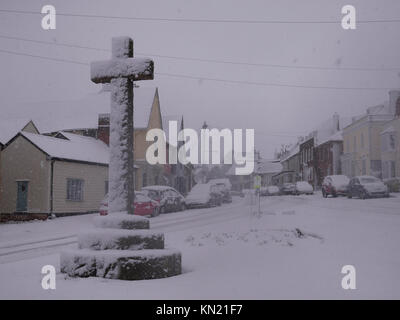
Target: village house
314,156
362,139
290,167
327,157
307,159
328,148
62,175
264,168
9,128
390,145
267,169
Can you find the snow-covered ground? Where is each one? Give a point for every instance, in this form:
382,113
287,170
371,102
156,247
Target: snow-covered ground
295,249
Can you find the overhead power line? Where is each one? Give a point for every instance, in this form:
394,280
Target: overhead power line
283,66
255,83
60,44
44,58
207,78
195,20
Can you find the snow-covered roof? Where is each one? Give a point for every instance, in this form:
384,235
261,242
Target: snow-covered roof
389,129
268,166
328,130
293,151
10,127
52,116
77,147
379,109
335,137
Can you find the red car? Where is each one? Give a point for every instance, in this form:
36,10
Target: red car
335,185
144,206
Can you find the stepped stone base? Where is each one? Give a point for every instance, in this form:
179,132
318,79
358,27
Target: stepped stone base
121,248
106,239
123,265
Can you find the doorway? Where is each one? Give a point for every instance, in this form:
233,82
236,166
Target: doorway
22,196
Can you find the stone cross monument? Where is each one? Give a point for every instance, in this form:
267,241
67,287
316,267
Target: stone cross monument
120,72
121,246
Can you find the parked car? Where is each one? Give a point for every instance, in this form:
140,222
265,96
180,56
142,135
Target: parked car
203,195
335,185
263,191
236,193
367,187
170,199
224,187
303,187
143,206
273,191
288,188
393,184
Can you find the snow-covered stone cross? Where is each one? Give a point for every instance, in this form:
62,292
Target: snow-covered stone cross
120,72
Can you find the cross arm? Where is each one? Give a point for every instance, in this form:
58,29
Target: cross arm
132,68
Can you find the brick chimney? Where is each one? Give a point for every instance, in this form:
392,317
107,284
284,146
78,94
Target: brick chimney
336,122
103,128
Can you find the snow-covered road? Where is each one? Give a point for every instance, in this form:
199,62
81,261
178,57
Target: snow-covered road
294,249
27,240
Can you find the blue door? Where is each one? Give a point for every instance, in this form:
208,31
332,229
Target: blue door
22,196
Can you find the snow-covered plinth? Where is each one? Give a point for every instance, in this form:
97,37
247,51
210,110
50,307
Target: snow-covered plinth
122,220
121,264
106,239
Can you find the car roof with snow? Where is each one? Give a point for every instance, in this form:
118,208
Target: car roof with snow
367,177
158,188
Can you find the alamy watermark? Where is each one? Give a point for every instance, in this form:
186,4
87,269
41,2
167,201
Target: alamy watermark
184,147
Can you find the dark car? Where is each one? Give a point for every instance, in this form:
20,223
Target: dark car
288,188
367,187
335,185
170,200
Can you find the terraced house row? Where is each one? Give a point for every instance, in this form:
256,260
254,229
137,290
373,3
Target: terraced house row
366,144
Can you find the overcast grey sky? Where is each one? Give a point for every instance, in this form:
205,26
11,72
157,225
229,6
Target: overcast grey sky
278,114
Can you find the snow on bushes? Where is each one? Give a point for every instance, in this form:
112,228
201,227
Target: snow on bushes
104,239
260,237
122,220
121,264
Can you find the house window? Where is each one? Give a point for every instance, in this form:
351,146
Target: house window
144,179
392,169
364,167
388,169
354,144
388,142
392,142
75,189
385,170
106,187
362,140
